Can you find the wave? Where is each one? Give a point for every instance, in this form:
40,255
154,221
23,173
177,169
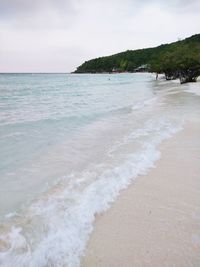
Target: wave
194,89
54,230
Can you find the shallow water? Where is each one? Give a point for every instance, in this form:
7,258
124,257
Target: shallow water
69,144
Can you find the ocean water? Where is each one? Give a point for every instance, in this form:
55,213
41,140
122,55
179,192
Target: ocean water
68,144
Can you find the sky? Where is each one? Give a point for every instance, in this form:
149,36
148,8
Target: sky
59,35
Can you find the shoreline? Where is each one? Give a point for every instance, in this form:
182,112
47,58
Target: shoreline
156,221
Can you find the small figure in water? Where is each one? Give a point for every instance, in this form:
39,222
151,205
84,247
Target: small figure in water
156,76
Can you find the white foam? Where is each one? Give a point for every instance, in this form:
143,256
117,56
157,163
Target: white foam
194,89
10,215
54,230
145,103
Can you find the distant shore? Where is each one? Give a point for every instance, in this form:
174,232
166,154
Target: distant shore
156,221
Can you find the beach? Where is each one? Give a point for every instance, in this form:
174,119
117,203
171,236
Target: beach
105,166
156,221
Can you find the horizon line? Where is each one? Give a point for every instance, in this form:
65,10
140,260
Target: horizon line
36,72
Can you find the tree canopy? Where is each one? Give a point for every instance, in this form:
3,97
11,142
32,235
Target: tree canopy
175,59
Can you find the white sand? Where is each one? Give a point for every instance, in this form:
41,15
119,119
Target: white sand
156,221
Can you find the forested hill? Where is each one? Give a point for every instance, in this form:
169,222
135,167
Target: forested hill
166,57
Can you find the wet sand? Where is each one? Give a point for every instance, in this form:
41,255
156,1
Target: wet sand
156,221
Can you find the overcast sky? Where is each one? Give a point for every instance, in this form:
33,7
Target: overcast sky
59,35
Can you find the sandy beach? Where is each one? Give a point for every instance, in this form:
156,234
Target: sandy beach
156,221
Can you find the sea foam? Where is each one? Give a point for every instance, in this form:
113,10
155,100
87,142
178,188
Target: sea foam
55,229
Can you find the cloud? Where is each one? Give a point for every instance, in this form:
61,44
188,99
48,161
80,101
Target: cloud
11,9
17,8
58,35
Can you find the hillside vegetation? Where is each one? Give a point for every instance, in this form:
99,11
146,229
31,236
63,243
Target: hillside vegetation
179,59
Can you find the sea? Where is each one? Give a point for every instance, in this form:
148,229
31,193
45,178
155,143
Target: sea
69,143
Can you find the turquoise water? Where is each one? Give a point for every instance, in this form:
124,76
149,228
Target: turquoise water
39,112
69,143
